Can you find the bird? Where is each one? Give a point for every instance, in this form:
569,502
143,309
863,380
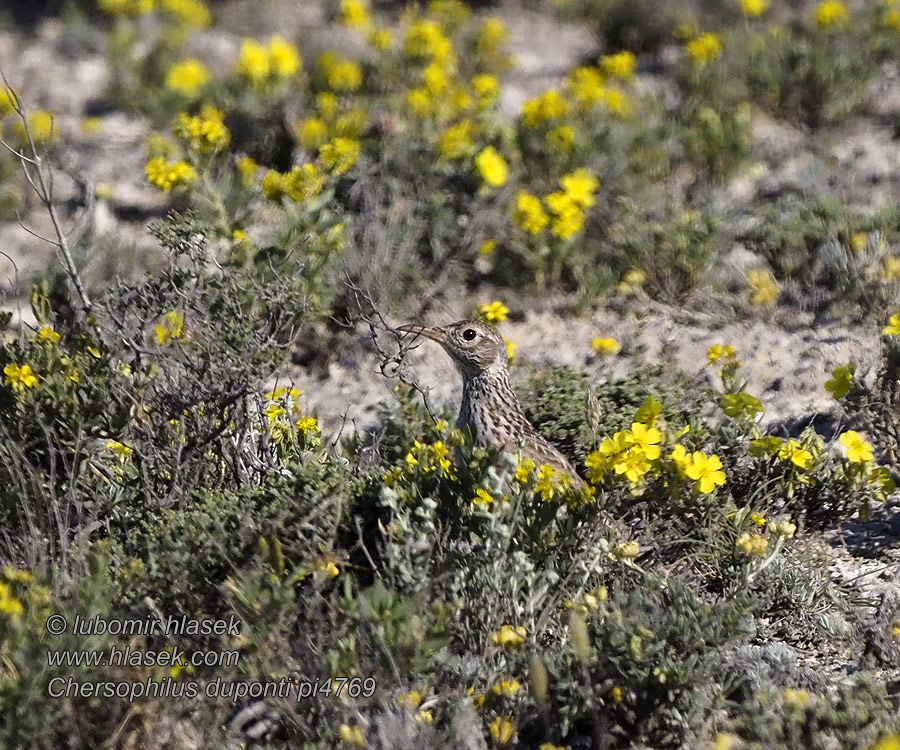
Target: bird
490,409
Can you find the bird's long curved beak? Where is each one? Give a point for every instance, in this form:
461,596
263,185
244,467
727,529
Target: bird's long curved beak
435,334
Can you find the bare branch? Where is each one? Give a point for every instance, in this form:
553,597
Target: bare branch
44,191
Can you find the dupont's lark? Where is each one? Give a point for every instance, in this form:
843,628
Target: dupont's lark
489,406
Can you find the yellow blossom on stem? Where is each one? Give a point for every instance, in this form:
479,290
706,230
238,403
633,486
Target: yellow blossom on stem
580,186
606,345
704,49
509,636
751,545
253,62
169,175
47,334
792,451
718,351
507,688
548,106
621,65
831,13
19,377
122,451
567,216
763,287
524,470
493,312
893,326
510,350
754,8
706,471
354,14
187,77
503,730
170,327
486,89
561,138
483,497
585,85
339,154
491,167
456,141
858,450
284,59
188,12
351,735
312,132
204,133
529,213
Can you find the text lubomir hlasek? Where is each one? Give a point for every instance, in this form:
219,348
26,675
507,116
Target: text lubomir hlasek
173,625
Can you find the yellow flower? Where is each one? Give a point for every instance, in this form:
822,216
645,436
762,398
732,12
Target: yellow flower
893,328
561,138
548,106
6,102
456,141
891,270
586,86
343,75
284,59
704,49
647,439
482,497
312,132
253,62
891,20
413,698
40,125
718,351
529,213
524,470
841,379
510,350
326,569
491,35
503,731
246,166
764,290
784,528
351,735
509,636
792,451
188,12
486,88
381,39
568,218
491,167
420,102
488,246
46,333
122,451
187,77
831,13
580,186
507,688
170,327
327,104
706,471
754,8
426,40
858,451
620,65
606,346
354,14
493,312
204,133
19,377
168,175
339,154
751,545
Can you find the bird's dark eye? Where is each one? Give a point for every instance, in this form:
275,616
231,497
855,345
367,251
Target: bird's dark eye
469,334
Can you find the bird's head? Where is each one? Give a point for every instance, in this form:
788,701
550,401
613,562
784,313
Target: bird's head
475,347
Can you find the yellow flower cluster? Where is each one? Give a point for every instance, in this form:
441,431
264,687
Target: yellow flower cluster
430,457
456,142
187,12
351,735
503,730
187,77
509,636
763,288
339,154
170,327
831,13
493,312
40,126
168,175
703,49
544,108
751,545
491,167
258,63
565,208
606,346
300,184
426,41
19,377
204,133
620,65
754,8
630,453
341,75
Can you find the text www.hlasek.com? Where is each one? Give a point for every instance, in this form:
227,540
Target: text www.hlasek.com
130,657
